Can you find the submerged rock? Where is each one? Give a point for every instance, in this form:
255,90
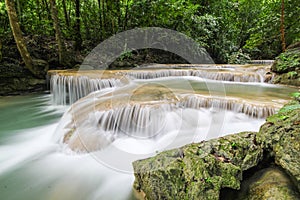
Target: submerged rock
200,171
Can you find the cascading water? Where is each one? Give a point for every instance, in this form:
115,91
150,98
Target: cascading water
146,109
214,75
68,89
87,154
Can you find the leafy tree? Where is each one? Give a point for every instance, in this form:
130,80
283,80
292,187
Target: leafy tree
16,30
58,35
227,29
78,39
283,44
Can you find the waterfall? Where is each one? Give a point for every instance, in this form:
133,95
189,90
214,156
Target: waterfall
214,75
149,118
262,62
148,107
86,130
236,105
68,86
68,89
135,119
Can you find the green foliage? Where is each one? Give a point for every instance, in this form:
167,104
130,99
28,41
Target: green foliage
287,62
126,55
239,58
296,95
289,108
264,40
231,30
292,74
233,144
284,112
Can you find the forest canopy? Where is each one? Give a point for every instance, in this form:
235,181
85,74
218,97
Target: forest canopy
226,28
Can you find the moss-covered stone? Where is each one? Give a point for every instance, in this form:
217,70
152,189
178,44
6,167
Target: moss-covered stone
198,171
281,137
287,67
265,184
287,61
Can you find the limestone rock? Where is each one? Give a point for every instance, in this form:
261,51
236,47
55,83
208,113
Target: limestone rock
281,137
287,67
266,184
198,171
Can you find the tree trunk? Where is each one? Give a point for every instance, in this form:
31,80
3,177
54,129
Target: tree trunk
283,44
15,28
100,20
67,19
125,17
38,9
0,50
45,3
87,28
78,39
103,20
58,36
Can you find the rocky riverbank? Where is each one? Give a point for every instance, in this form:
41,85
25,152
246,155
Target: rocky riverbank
225,168
287,66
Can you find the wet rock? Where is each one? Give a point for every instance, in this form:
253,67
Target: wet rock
198,171
287,67
281,135
266,184
290,78
15,79
41,67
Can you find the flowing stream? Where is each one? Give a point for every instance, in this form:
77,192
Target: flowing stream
51,150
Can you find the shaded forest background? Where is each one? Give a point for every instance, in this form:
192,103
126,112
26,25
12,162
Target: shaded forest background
231,30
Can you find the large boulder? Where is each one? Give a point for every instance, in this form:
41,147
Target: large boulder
280,136
266,184
198,171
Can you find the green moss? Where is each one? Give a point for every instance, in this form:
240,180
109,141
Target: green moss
296,96
281,136
288,61
198,171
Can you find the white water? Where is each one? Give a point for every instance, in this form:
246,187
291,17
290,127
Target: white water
214,75
68,89
34,166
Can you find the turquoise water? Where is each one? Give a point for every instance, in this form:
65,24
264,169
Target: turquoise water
32,164
21,112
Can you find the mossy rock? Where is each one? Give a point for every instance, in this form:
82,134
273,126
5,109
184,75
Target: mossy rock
198,171
266,184
287,67
280,136
287,61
